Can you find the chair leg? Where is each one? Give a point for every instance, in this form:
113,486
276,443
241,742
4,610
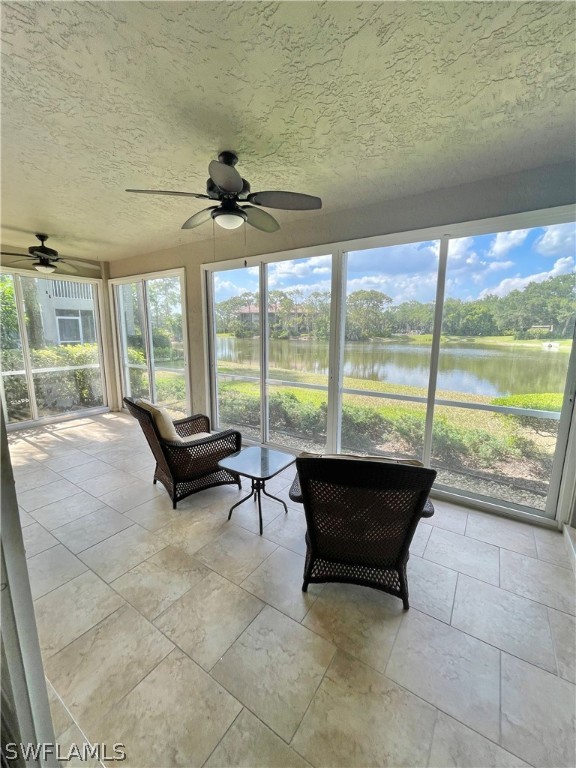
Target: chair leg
404,588
304,586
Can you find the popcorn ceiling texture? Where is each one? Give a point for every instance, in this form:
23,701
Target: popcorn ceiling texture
355,102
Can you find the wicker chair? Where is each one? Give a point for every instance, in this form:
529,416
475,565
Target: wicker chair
361,518
186,468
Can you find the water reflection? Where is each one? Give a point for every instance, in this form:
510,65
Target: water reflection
472,368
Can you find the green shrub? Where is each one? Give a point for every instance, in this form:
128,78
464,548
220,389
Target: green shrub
541,401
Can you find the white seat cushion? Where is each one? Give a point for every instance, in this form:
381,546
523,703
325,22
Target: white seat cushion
194,438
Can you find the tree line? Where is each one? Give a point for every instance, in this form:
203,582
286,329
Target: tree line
540,310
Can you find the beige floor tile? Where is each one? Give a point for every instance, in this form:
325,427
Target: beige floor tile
61,718
194,530
278,581
246,515
46,494
209,618
67,460
91,529
133,495
510,534
37,539
121,552
537,580
156,513
85,471
359,620
30,478
66,510
431,587
456,746
110,481
67,612
249,743
461,553
512,623
274,668
155,584
551,546
420,539
538,715
289,531
563,628
25,518
177,700
443,665
448,516
359,717
52,568
71,748
94,672
235,553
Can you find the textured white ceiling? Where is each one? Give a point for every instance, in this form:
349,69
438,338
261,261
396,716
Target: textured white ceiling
355,102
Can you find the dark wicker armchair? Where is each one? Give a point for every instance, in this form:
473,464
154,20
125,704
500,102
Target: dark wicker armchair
361,518
187,467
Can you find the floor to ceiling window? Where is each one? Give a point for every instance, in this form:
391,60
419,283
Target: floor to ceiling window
51,356
151,331
454,350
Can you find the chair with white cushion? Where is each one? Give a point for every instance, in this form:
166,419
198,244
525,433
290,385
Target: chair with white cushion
186,453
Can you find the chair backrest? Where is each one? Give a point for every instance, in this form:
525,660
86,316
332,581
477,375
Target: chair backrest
150,430
362,512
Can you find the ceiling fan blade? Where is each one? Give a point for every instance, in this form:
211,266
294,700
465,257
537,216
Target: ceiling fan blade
168,192
289,201
260,219
199,218
79,263
62,266
225,177
20,261
9,253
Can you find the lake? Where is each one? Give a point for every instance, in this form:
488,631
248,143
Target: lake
470,367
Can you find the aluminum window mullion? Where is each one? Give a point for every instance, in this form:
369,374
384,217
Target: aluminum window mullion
148,340
435,349
19,293
336,352
264,415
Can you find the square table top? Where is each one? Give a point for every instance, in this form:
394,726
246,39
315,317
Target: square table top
257,462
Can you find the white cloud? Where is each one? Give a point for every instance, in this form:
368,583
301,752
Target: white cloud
497,266
561,267
506,241
557,239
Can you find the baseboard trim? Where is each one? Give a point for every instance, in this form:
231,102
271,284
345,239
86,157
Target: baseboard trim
570,541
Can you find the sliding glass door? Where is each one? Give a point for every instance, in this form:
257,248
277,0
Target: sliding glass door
456,351
51,354
151,331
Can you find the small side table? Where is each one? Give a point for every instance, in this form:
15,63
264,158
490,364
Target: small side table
259,464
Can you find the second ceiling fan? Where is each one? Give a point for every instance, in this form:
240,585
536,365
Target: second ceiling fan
236,203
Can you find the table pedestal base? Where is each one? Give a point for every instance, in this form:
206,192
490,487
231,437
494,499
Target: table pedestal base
258,486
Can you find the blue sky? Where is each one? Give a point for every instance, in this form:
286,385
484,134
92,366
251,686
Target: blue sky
477,266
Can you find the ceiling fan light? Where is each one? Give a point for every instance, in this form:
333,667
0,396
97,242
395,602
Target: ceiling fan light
46,268
229,219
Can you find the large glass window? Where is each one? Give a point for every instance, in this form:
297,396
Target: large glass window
456,351
298,351
507,330
388,335
51,361
152,350
237,343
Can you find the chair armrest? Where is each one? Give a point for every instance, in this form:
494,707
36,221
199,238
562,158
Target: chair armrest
428,510
221,443
192,424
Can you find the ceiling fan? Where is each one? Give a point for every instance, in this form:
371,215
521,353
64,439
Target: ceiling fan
230,190
48,258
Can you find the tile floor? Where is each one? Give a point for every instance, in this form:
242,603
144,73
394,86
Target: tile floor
187,637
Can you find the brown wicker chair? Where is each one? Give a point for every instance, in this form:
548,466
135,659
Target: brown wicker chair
185,468
361,518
